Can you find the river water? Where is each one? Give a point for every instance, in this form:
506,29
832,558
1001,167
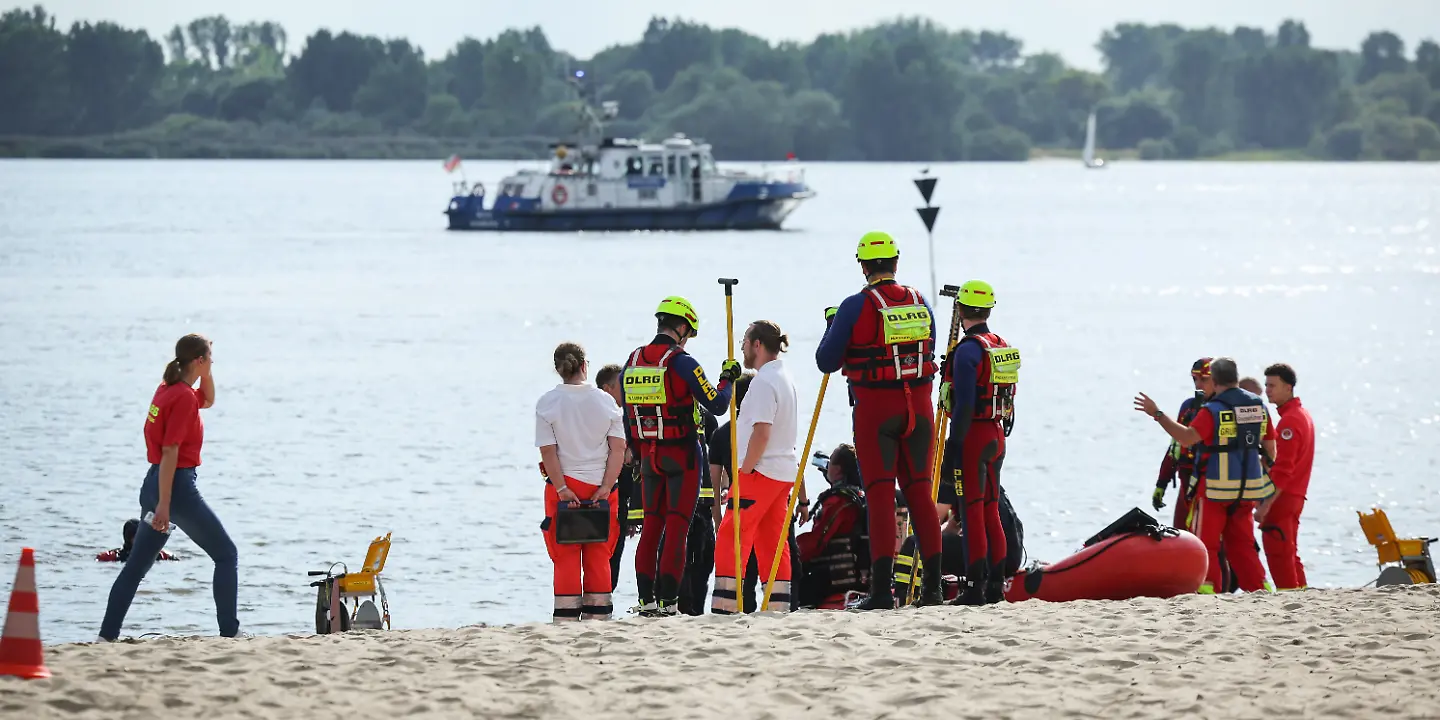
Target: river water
377,373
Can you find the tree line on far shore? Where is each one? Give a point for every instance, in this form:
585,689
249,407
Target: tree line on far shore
906,90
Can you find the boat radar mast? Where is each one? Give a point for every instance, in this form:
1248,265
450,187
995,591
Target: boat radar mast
591,123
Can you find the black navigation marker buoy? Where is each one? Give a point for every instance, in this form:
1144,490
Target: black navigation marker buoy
926,185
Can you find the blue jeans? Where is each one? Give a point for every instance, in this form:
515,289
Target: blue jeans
189,512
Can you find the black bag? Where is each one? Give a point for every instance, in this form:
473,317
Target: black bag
581,523
1136,520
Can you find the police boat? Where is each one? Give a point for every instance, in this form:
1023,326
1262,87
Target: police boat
606,183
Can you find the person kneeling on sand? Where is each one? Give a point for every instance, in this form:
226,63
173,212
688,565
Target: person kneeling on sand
127,539
835,552
580,433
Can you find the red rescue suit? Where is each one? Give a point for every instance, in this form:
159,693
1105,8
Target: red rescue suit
981,430
890,363
662,385
1294,458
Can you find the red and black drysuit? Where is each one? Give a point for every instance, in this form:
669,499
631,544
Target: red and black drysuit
975,452
893,416
671,466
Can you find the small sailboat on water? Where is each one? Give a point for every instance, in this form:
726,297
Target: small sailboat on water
1088,155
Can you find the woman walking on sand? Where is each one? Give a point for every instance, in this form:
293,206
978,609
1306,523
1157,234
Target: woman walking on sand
173,436
580,432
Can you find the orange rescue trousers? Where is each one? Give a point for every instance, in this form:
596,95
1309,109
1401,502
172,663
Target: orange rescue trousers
763,504
1231,522
582,572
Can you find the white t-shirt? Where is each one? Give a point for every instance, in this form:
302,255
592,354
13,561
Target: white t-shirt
579,419
771,399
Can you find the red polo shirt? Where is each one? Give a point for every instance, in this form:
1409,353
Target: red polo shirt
174,419
1295,450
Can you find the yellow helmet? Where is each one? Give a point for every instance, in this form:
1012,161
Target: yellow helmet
876,245
976,294
681,308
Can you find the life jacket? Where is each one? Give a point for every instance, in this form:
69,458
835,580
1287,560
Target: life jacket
997,380
902,352
659,407
844,563
1185,457
1232,456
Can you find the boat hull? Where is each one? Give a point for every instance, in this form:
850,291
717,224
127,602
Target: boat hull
1119,568
756,214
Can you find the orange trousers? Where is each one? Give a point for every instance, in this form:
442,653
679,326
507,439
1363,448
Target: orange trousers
763,504
582,572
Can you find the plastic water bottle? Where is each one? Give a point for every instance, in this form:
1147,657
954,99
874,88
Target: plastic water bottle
150,518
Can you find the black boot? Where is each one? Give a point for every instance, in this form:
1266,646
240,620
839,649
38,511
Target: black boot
667,595
645,587
995,585
973,592
882,586
930,592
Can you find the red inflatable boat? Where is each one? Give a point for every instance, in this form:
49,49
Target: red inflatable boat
1154,563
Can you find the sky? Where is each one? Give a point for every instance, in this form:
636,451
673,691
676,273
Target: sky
1067,27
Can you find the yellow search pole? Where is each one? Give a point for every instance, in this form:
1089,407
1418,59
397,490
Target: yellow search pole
730,284
795,493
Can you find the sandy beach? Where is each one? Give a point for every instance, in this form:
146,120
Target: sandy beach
1319,654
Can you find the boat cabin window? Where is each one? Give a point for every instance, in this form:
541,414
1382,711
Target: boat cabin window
657,166
635,165
670,165
708,163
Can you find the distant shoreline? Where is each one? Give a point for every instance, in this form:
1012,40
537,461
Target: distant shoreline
520,149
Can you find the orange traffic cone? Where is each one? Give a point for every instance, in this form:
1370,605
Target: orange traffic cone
21,654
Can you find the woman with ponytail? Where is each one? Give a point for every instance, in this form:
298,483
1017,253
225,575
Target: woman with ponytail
581,436
173,436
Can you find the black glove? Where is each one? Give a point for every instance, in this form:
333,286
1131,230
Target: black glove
730,371
830,315
1157,499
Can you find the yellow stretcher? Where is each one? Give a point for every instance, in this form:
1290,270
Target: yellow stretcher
334,589
1402,562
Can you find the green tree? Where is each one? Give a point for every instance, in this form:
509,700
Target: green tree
1409,87
332,67
1202,75
249,100
444,116
901,101
513,77
996,50
1427,62
1380,53
1126,121
1133,54
113,75
668,47
395,91
1152,149
1292,34
998,144
33,74
464,68
634,90
1285,95
1390,137
1345,141
819,124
